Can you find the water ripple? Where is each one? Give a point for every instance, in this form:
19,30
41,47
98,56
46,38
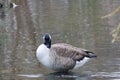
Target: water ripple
31,75
106,75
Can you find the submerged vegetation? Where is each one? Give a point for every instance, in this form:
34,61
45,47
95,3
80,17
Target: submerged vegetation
116,32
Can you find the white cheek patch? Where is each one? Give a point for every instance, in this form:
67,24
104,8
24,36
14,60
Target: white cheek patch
48,35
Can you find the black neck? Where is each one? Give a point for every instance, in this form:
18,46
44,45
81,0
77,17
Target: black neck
48,44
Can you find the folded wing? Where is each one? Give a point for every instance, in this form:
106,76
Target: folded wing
66,50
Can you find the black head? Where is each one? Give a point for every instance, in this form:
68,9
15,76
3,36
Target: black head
47,40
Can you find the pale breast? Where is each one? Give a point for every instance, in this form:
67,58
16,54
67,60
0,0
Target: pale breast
42,55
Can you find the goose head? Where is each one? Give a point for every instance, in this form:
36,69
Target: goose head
47,40
13,5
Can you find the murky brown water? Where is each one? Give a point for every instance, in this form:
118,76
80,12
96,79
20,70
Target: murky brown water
77,22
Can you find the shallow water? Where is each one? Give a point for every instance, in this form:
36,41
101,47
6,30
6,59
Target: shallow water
77,22
61,76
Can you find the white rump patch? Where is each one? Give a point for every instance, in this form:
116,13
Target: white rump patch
81,63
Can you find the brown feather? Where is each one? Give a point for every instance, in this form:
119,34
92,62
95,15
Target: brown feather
66,50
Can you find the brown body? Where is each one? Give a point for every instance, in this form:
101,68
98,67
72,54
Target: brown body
64,56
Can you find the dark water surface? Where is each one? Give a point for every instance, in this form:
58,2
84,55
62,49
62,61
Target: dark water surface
77,22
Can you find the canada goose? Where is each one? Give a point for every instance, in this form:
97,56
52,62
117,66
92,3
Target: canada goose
61,57
13,5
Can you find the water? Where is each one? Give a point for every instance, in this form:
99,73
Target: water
77,22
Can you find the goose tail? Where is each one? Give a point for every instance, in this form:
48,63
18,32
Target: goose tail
91,54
